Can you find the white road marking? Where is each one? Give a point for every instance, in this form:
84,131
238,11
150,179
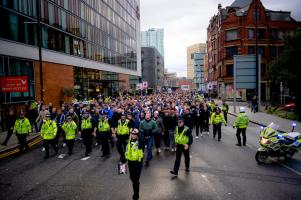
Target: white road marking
289,168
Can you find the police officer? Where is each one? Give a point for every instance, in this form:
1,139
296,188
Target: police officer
122,131
22,128
183,139
225,109
134,155
241,123
86,130
69,128
48,133
104,129
217,118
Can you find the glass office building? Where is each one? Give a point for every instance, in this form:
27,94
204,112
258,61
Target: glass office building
153,38
82,36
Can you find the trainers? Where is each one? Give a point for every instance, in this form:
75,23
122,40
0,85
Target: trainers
64,144
187,170
174,173
43,149
208,133
201,134
197,137
159,150
172,149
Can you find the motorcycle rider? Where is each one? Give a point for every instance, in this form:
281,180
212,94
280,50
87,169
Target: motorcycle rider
241,123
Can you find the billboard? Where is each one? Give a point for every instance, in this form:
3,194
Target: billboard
14,84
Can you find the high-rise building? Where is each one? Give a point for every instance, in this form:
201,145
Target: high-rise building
88,47
196,48
198,77
153,38
232,31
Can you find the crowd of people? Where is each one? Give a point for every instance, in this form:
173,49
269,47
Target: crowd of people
134,123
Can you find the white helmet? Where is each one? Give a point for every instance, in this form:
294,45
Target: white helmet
273,126
242,109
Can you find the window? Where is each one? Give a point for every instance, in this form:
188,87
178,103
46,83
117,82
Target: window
232,35
256,13
251,50
273,51
261,34
251,33
261,50
230,51
263,69
229,70
273,34
281,34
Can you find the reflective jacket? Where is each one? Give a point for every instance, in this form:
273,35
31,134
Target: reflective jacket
122,128
181,138
225,108
22,126
86,124
104,126
217,119
241,121
48,130
69,129
133,153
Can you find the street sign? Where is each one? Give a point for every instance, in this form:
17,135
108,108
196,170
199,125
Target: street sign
245,68
14,84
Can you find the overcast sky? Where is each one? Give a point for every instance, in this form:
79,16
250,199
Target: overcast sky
185,23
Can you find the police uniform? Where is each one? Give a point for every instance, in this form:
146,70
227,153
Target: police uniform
22,128
123,130
70,131
217,120
225,109
182,136
241,123
104,129
86,131
134,155
48,133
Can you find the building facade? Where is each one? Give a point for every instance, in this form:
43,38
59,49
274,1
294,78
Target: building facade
198,68
152,64
90,46
153,38
190,50
232,31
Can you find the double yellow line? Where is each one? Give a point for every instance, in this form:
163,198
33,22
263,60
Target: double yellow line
16,150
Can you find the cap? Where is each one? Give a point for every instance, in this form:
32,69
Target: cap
242,109
181,119
134,131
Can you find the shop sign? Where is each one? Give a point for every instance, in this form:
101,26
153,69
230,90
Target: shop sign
14,84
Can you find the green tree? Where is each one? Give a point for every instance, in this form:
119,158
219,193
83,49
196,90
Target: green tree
287,68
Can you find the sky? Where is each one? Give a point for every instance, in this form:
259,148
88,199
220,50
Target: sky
185,23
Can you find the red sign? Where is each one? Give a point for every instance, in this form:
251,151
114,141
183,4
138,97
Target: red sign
14,84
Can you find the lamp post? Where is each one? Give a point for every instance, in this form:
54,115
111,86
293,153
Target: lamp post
40,49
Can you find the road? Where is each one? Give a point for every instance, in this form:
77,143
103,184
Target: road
219,170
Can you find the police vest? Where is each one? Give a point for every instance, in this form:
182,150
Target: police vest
122,128
69,129
86,124
133,153
181,138
48,130
103,126
22,126
217,118
241,121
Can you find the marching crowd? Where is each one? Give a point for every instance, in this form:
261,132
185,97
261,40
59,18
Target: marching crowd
134,123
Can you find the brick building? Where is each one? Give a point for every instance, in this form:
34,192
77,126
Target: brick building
232,31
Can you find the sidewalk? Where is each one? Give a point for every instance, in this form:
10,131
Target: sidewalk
265,119
13,141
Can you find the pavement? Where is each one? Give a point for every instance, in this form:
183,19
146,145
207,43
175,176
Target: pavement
219,171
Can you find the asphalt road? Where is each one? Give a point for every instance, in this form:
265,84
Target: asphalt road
219,170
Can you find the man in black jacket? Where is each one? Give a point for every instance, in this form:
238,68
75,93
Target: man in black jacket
183,139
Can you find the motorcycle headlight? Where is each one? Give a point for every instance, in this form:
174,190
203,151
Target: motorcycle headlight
264,141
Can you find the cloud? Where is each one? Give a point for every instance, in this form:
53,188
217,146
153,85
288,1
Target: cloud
185,23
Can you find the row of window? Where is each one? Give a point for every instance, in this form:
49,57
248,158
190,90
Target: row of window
274,51
229,70
274,34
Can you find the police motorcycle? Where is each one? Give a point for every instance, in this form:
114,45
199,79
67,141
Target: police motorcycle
277,145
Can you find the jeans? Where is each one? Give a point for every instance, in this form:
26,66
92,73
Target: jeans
149,143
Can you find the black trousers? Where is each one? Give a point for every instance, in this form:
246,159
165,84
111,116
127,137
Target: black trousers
135,168
105,136
87,139
206,125
70,144
157,137
52,142
217,128
179,151
58,134
225,116
244,137
121,146
199,127
166,138
22,142
8,135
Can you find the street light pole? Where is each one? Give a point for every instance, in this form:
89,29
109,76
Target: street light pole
40,49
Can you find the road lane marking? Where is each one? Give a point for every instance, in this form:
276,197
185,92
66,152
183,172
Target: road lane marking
293,170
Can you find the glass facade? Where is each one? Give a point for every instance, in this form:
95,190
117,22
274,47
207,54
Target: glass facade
10,66
99,30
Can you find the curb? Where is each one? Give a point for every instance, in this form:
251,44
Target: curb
15,149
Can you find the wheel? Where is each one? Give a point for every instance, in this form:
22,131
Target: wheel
261,157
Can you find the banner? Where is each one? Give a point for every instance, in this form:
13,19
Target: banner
145,85
14,84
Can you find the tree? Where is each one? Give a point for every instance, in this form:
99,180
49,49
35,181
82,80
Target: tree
287,68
